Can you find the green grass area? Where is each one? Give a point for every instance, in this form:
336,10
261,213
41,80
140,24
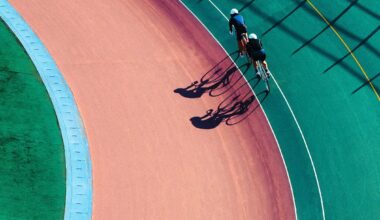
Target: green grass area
32,171
336,108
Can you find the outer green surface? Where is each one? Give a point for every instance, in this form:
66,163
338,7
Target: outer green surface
32,171
337,111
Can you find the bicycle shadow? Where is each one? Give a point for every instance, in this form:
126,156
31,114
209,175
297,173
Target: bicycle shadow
225,78
217,81
233,109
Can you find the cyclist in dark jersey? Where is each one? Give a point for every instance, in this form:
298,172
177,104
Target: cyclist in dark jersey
237,21
256,52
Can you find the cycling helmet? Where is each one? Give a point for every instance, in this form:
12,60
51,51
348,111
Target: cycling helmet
252,36
234,11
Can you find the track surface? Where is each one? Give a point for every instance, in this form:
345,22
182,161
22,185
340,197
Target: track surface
122,60
336,108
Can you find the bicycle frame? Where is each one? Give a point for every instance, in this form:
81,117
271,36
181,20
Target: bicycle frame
263,74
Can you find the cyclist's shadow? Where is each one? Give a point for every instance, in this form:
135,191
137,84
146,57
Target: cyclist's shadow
216,78
233,110
213,118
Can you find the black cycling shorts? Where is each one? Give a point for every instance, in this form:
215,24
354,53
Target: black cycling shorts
259,55
239,31
239,36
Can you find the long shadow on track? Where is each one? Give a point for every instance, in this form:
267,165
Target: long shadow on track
221,79
233,110
219,76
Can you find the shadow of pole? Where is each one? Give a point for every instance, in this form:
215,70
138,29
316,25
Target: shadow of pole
368,11
284,18
299,37
344,31
246,5
353,50
371,48
365,84
326,27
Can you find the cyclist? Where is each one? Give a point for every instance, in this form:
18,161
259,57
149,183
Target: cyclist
237,21
256,52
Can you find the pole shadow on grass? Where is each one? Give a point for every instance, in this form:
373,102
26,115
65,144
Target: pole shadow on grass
298,35
284,18
364,41
332,23
366,10
318,49
366,84
246,5
343,30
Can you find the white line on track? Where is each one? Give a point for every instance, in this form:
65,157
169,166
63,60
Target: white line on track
216,7
266,117
298,126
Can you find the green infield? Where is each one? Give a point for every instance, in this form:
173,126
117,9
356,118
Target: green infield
324,103
32,171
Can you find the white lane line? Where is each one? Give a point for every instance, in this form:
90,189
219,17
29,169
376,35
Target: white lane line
298,126
258,100
219,10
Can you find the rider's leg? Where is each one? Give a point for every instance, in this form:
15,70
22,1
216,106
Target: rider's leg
265,65
263,57
244,41
241,42
241,47
254,60
255,66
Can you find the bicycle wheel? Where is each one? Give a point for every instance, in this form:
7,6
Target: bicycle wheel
218,71
264,76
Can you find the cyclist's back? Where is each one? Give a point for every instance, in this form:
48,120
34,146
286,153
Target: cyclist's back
256,52
254,46
237,21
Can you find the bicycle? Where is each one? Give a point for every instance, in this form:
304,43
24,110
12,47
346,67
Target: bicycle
263,74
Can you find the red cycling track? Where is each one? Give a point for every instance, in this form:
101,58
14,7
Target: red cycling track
122,61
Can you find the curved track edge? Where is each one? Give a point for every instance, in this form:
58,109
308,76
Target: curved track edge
78,203
266,117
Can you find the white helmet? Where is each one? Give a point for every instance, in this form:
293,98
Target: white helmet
234,11
252,36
